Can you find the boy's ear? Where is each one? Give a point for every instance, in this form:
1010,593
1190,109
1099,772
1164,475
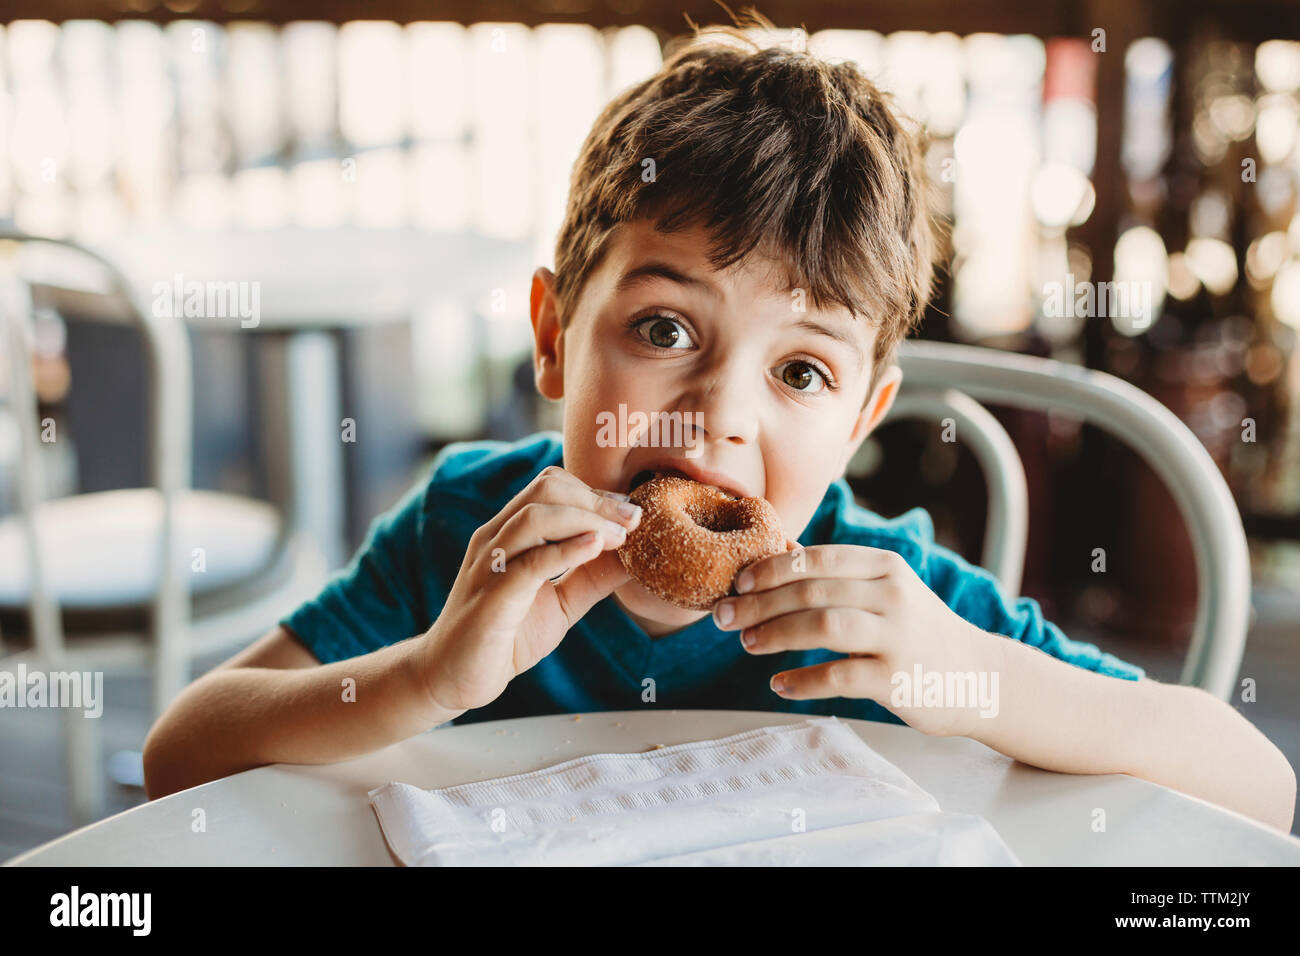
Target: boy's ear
548,337
874,411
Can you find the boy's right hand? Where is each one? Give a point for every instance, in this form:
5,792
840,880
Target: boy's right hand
504,613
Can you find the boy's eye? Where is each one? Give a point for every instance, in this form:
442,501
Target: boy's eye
799,375
663,332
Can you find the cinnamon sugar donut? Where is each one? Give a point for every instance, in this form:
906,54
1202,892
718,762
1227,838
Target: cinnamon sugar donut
694,539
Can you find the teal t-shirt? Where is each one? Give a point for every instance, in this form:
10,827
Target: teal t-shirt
397,583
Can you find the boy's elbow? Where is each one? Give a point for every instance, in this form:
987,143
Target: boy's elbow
156,763
1287,794
1266,787
1277,778
165,757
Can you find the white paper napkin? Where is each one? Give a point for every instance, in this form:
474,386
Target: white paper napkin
811,793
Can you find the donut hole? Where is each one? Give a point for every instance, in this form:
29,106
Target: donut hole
717,520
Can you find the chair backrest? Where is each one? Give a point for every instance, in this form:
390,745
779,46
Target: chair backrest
60,281
941,379
1006,525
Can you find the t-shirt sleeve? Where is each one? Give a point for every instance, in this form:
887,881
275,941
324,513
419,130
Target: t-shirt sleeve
975,595
377,599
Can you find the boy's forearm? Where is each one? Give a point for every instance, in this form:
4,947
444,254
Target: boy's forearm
235,719
1065,718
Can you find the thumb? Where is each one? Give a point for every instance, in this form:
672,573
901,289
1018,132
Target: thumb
581,587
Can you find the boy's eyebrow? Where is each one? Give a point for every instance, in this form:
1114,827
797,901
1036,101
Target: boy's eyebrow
808,325
662,270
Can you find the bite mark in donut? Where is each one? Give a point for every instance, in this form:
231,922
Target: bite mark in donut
693,540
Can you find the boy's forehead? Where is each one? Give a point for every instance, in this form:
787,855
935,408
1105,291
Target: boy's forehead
635,247
634,243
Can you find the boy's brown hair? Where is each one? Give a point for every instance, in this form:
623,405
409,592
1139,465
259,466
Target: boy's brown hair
770,149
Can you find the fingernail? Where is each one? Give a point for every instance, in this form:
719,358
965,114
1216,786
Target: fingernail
744,582
628,510
748,639
616,531
778,684
615,494
723,612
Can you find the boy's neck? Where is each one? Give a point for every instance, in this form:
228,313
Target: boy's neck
655,629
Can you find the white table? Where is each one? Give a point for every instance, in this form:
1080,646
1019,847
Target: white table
300,815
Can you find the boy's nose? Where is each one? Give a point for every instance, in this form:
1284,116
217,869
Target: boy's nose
725,411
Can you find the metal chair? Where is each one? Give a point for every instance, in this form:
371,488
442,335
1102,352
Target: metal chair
944,381
130,548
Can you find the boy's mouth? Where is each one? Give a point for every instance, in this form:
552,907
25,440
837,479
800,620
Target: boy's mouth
641,477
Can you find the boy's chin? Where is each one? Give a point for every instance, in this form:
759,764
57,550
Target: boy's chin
654,614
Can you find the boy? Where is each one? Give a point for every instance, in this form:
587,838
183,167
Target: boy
747,240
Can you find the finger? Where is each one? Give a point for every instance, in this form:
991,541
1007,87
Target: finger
861,677
818,561
528,571
845,630
537,524
734,613
554,485
588,583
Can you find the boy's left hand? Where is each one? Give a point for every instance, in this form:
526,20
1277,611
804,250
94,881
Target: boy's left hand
867,603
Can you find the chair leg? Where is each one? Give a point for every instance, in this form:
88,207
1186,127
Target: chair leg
170,674
83,745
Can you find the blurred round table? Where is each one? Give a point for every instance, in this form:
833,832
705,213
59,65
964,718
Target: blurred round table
313,284
321,815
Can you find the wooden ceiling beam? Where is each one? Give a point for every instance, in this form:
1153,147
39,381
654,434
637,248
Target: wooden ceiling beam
1246,20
